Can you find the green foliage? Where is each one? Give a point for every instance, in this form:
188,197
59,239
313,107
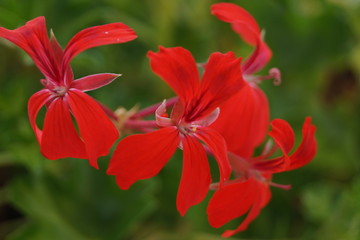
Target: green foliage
316,45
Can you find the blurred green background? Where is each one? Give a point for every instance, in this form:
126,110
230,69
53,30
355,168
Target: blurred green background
315,44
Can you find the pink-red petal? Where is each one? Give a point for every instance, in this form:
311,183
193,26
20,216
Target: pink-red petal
217,146
94,81
59,138
195,178
97,36
96,129
36,102
142,156
221,80
177,67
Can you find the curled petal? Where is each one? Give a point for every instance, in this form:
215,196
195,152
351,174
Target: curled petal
161,119
96,129
221,80
283,135
303,155
95,81
217,146
208,120
177,67
97,36
142,156
195,178
60,139
307,149
36,102
258,58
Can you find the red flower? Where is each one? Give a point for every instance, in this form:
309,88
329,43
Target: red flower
249,191
142,156
248,110
65,96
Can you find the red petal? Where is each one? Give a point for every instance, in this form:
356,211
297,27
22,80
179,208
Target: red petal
246,26
222,79
60,139
33,39
142,156
195,178
95,81
244,120
96,129
177,67
36,102
97,36
217,146
260,200
230,202
307,149
242,22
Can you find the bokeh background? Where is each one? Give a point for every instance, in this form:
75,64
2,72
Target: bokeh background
315,44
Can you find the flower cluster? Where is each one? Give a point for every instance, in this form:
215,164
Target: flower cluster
222,113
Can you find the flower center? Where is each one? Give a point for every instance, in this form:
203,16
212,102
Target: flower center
187,128
59,90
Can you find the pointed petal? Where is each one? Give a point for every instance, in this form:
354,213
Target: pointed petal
242,22
244,121
230,202
60,139
142,156
307,149
94,81
217,146
221,80
36,102
177,67
96,129
97,36
195,178
283,135
33,39
261,199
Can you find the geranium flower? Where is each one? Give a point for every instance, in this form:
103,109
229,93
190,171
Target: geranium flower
65,96
247,112
142,156
249,192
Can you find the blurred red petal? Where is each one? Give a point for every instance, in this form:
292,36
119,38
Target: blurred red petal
94,81
142,156
60,139
244,120
230,202
97,36
96,129
242,22
177,67
261,199
217,146
195,178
